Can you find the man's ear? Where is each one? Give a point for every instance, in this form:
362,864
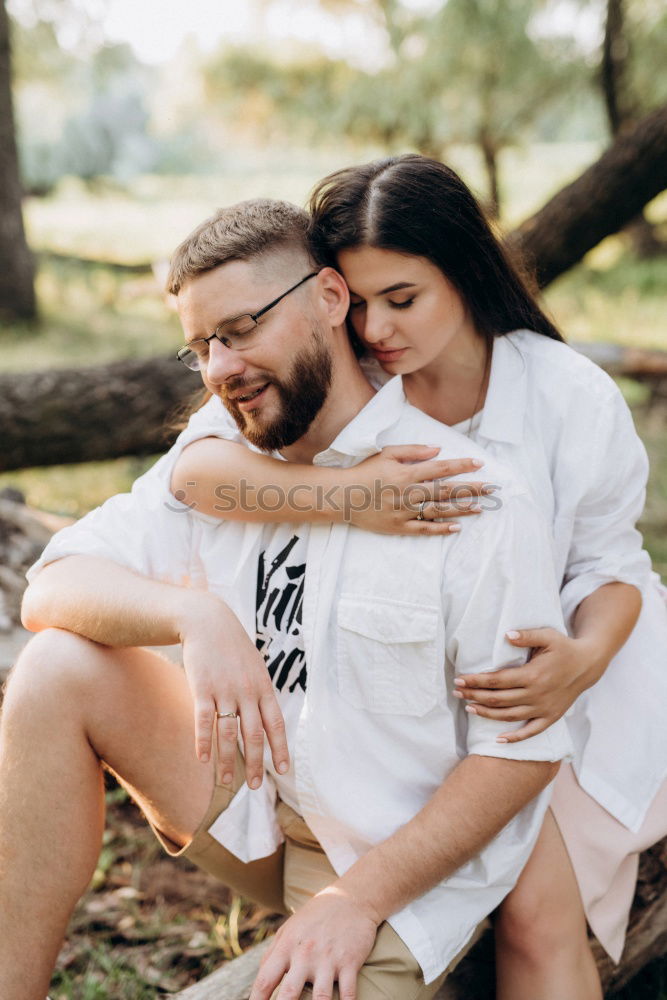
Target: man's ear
335,294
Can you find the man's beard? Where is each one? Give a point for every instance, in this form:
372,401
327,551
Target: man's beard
301,394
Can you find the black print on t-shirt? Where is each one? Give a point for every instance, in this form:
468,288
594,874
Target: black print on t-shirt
279,616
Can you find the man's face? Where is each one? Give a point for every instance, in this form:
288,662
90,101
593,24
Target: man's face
275,388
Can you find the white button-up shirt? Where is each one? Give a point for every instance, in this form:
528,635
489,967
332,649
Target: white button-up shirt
560,421
388,621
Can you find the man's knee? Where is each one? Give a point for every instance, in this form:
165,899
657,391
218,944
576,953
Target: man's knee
52,663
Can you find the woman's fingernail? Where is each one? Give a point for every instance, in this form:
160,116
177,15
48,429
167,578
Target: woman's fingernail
203,758
459,682
469,708
501,739
255,783
227,778
283,767
477,463
457,694
513,635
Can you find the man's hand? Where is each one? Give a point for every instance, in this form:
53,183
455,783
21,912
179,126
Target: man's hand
113,605
226,673
325,942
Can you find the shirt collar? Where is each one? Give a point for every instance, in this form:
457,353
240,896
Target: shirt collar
504,413
359,438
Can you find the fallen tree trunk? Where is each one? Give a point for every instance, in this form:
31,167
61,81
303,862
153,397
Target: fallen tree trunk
600,202
91,414
474,978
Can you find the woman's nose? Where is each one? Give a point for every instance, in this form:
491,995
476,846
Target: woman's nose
376,326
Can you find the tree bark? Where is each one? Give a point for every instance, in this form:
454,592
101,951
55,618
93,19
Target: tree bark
89,414
17,271
600,202
622,111
490,157
613,70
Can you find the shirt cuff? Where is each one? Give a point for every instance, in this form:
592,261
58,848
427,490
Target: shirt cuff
581,587
552,745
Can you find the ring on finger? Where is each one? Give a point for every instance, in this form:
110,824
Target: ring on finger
226,715
420,514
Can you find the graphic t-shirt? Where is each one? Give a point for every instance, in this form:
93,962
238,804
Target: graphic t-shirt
281,575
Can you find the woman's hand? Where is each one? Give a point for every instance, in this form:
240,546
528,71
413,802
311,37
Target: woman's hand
540,691
385,493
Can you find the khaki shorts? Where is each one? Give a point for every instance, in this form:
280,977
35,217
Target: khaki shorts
289,878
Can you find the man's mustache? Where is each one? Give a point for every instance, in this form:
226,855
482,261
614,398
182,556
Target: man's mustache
240,386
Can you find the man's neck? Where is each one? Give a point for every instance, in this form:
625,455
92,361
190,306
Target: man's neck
350,391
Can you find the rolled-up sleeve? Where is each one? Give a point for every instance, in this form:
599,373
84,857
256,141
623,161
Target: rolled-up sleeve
502,577
210,420
145,530
606,546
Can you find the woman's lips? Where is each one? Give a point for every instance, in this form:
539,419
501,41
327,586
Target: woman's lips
386,356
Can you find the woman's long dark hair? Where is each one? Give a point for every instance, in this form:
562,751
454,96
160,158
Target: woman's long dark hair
414,205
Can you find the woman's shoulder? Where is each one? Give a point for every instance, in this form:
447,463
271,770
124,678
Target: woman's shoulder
556,367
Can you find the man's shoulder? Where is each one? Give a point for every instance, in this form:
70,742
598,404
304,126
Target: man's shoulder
416,427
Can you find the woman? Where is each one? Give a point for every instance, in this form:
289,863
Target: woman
435,300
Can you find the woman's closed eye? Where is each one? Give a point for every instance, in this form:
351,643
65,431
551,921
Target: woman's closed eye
402,305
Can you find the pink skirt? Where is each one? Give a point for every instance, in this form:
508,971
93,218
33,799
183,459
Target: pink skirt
604,855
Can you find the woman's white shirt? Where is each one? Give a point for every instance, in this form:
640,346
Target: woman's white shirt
561,422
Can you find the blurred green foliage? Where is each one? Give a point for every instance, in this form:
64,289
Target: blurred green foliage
471,72
489,72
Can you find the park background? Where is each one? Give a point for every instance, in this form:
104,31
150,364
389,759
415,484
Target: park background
135,120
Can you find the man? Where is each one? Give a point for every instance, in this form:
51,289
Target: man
402,822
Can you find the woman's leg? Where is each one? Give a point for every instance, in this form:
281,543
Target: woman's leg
542,949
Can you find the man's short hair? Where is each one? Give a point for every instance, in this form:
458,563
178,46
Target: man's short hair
241,232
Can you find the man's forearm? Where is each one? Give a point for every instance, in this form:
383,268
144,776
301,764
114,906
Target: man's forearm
472,805
107,602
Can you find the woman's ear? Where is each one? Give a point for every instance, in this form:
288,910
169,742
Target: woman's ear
335,294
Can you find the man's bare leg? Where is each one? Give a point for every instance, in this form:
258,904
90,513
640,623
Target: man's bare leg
69,704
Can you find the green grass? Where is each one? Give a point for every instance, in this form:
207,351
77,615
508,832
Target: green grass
148,926
614,298
89,316
652,428
73,490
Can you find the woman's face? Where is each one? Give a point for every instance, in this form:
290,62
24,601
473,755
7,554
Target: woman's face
403,308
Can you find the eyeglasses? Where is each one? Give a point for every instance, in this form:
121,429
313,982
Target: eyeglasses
238,334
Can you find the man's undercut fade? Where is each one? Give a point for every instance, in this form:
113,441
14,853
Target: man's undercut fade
250,229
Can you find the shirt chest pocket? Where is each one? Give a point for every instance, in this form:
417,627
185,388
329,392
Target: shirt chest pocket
388,658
